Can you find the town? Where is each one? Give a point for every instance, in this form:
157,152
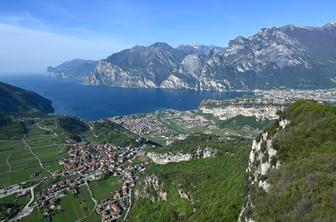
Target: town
88,162
142,124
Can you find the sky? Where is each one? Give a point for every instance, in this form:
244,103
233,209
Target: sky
37,33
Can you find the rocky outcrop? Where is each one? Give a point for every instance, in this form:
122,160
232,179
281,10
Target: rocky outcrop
151,189
164,158
261,108
232,111
262,158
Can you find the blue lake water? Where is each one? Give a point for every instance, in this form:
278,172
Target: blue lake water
97,102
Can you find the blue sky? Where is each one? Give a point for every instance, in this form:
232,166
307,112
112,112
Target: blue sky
38,33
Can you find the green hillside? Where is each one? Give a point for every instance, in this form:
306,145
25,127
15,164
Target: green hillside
213,187
304,187
17,101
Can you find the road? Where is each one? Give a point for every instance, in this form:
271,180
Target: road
27,208
130,204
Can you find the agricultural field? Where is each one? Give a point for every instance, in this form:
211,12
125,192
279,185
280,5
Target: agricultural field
17,164
21,159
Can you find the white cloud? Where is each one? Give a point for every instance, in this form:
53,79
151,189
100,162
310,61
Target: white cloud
27,50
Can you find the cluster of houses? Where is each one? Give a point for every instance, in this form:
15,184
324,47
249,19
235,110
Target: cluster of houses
290,95
92,158
189,119
49,198
111,209
147,124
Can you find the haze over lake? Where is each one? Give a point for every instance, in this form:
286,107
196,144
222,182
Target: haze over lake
96,102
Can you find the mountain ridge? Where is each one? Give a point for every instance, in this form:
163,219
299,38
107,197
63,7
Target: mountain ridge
288,56
76,68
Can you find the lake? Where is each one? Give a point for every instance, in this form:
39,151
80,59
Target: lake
96,102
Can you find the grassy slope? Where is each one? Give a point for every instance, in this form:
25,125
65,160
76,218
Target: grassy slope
215,184
304,188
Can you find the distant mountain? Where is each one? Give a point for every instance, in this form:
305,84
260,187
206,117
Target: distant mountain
137,67
288,56
17,101
158,65
77,68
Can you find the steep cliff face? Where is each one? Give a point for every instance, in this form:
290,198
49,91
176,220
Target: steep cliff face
289,56
164,158
261,108
263,158
106,73
139,66
290,170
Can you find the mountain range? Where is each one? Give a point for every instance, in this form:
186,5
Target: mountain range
279,57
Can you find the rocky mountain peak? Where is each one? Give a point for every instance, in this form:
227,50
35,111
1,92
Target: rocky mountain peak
330,26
